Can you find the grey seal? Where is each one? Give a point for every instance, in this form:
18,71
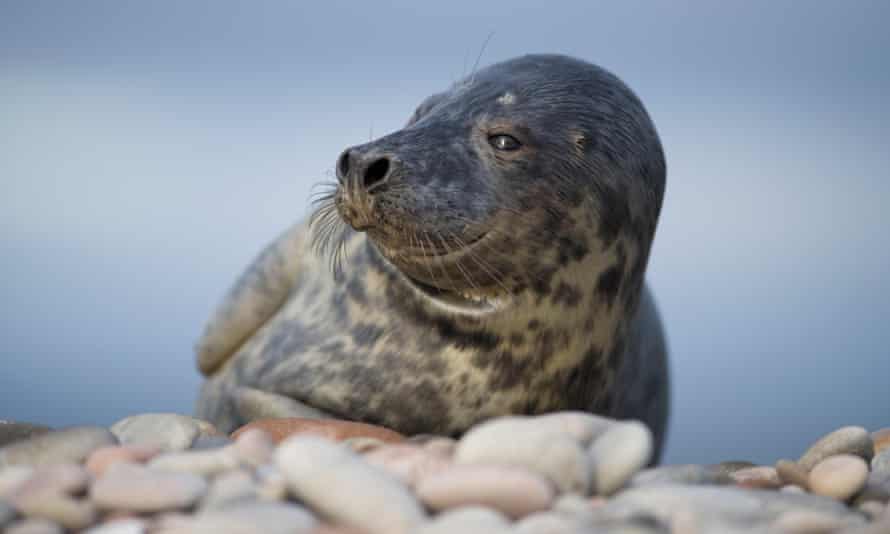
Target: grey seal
489,260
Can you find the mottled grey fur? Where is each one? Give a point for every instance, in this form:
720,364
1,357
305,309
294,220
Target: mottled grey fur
554,238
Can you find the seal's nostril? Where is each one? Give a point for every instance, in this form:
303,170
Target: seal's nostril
376,172
343,165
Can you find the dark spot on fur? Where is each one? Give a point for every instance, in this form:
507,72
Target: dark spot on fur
534,324
608,283
517,339
571,248
356,290
365,334
566,295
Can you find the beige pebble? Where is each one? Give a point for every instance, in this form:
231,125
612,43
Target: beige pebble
547,523
509,490
839,476
440,445
853,440
228,488
467,520
332,429
272,484
518,442
60,478
201,462
100,459
120,526
366,497
168,431
791,472
12,477
618,455
408,463
759,477
33,526
363,444
135,488
254,447
70,445
808,522
873,509
245,518
70,513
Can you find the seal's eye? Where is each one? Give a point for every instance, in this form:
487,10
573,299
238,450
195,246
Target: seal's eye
504,142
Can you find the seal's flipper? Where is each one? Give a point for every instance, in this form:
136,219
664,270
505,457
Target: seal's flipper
254,404
256,296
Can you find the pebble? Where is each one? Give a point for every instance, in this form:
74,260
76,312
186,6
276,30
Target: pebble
467,520
255,517
619,454
853,440
873,509
70,445
167,431
839,477
763,477
547,523
200,462
692,474
33,526
518,442
809,522
73,514
731,466
7,513
729,503
202,443
363,444
576,507
511,491
365,498
102,458
881,462
120,526
408,463
229,488
12,477
877,488
12,431
334,430
791,472
254,447
881,439
136,488
272,484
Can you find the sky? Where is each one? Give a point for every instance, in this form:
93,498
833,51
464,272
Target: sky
148,150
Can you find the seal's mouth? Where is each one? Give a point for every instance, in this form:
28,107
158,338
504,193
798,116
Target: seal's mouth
461,291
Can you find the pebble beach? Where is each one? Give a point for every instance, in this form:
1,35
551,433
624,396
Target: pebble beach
566,472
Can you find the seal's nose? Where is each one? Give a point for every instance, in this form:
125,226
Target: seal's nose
363,170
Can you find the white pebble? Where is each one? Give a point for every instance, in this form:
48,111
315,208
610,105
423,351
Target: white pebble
334,481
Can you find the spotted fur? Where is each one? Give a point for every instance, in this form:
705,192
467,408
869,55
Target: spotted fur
566,226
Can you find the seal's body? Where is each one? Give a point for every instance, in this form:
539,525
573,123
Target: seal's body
493,264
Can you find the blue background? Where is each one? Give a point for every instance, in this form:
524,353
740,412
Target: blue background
149,149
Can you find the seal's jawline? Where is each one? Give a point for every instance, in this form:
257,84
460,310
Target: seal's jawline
454,302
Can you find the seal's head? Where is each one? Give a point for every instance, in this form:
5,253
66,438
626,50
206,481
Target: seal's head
506,177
